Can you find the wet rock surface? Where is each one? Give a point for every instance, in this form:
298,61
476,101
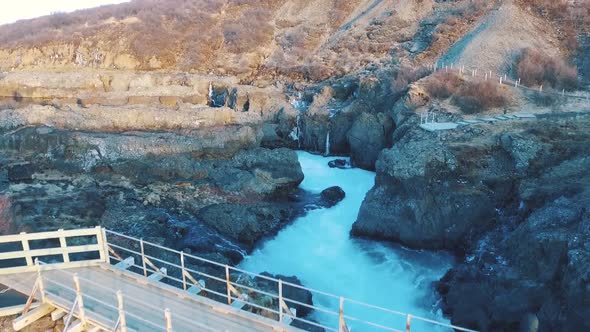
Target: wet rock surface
369,135
355,120
512,200
338,163
331,196
247,223
153,185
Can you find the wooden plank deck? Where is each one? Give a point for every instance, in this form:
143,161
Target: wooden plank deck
144,301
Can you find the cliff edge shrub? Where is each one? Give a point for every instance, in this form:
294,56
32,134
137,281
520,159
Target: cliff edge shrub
474,97
537,68
470,96
442,85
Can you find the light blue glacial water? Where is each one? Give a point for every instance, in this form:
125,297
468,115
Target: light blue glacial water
318,250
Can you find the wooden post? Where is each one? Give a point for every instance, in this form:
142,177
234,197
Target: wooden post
408,321
168,317
26,248
143,258
183,272
341,316
280,300
500,79
122,319
63,244
541,88
81,313
40,280
31,297
227,284
104,253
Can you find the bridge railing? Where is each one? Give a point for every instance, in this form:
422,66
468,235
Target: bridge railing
66,248
261,294
111,312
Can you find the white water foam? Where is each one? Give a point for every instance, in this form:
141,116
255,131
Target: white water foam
318,250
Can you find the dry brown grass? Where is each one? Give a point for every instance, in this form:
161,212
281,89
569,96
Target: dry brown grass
476,97
536,68
470,96
442,85
406,75
168,30
571,17
454,27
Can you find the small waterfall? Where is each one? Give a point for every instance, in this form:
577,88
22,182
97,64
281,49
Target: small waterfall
299,130
211,102
327,153
296,133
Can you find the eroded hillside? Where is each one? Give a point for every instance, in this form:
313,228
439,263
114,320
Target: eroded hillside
312,39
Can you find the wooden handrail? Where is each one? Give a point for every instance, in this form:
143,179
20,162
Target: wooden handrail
50,251
49,235
26,248
62,250
114,253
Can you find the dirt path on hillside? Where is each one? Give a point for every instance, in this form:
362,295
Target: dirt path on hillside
499,37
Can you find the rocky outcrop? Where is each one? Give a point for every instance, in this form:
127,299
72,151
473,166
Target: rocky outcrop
537,270
368,136
423,196
512,199
155,183
353,114
273,172
246,223
331,196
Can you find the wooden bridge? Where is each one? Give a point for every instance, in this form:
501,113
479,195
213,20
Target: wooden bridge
80,277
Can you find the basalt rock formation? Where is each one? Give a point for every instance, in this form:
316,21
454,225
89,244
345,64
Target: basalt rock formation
512,199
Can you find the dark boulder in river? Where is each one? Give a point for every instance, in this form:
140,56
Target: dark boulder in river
338,163
331,196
